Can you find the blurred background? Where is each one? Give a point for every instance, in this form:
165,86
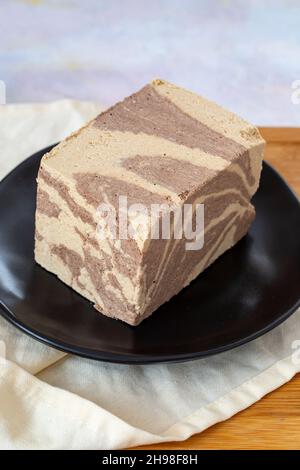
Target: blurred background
243,54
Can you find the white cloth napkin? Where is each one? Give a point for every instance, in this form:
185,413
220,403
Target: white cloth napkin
50,400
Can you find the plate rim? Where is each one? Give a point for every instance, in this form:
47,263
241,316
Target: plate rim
141,358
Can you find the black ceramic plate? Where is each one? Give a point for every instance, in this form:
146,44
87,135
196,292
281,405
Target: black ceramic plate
248,291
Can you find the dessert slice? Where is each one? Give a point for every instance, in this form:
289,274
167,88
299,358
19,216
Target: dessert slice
161,146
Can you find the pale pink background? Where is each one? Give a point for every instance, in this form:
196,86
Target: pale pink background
243,54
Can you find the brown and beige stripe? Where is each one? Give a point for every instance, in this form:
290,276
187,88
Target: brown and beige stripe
161,145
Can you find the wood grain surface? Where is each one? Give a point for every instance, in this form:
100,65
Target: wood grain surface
274,421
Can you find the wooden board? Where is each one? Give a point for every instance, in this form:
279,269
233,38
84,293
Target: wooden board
274,421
